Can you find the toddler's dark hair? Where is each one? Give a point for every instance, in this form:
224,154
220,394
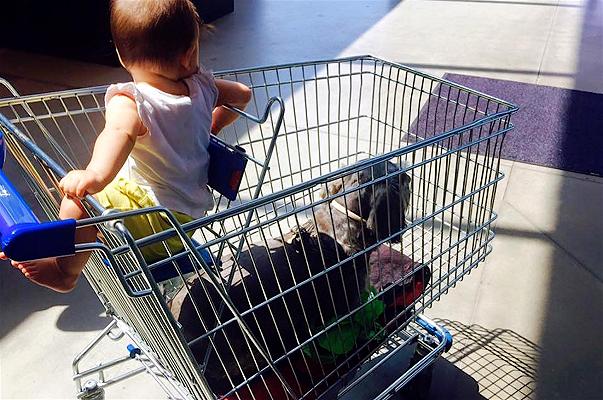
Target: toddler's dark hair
153,31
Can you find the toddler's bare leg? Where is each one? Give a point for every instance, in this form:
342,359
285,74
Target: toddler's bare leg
60,274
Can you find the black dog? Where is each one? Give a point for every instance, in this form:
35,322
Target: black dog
362,217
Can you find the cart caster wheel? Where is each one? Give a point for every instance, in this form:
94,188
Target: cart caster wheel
91,391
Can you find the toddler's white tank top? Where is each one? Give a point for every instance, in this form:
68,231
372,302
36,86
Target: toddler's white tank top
171,158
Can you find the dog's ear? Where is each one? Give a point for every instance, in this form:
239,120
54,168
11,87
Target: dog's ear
379,217
386,216
405,189
332,188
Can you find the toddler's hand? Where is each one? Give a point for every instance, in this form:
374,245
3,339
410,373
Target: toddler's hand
79,183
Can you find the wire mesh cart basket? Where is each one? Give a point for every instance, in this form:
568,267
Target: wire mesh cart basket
364,193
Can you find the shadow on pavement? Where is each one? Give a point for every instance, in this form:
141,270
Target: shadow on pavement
20,298
502,364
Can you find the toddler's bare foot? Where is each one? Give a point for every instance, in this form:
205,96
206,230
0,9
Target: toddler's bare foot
46,272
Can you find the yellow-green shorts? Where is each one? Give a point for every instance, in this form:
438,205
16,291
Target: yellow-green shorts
123,195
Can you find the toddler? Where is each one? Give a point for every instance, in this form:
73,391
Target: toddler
160,124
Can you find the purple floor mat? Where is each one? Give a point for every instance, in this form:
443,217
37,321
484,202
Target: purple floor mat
558,128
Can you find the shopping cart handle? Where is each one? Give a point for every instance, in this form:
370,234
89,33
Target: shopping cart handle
22,236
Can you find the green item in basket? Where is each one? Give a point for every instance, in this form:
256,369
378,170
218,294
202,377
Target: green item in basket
342,338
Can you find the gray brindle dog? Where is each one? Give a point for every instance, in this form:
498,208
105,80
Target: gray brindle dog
340,229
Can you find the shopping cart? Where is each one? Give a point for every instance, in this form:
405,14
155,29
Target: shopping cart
368,195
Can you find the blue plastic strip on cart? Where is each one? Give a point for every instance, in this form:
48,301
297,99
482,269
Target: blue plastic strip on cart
22,235
432,329
2,150
226,167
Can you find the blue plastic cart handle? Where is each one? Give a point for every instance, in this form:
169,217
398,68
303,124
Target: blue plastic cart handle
22,235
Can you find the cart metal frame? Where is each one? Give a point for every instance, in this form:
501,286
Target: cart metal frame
309,125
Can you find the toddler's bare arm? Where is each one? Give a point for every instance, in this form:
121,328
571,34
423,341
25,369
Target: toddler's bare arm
234,94
112,147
